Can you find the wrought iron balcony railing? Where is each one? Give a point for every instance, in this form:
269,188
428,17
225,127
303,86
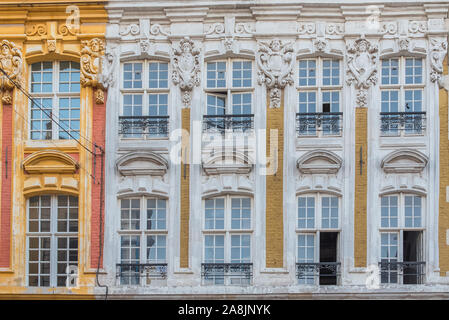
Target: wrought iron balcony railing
140,274
143,126
227,273
323,273
228,122
310,124
393,123
410,272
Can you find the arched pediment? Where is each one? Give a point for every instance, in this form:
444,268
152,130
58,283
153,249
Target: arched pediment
319,162
228,163
49,161
404,161
142,163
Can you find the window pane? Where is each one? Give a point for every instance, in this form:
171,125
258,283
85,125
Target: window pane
214,214
306,212
158,75
241,73
156,214
307,72
216,74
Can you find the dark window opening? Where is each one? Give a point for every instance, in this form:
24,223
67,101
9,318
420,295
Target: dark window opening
328,253
326,107
412,253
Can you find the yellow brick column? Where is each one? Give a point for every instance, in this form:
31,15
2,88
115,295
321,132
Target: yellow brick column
274,231
443,219
360,188
185,189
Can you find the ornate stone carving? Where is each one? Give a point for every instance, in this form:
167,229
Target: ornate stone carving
217,28
242,27
133,29
404,44
417,27
36,29
228,44
145,45
51,45
107,68
186,68
156,29
320,45
335,28
389,28
11,63
92,52
362,68
275,61
438,51
66,30
308,28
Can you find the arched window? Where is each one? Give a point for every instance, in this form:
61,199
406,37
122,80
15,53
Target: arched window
318,230
227,233
144,106
55,87
402,96
143,239
319,87
229,95
401,238
52,240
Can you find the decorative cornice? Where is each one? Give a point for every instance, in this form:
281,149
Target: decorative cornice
319,162
142,163
227,163
394,161
49,161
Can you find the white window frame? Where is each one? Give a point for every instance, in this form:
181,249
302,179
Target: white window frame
401,87
319,88
227,231
227,91
54,95
145,91
143,232
53,234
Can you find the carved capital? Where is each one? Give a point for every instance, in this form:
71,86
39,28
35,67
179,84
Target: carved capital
362,68
108,64
186,68
92,52
11,62
275,61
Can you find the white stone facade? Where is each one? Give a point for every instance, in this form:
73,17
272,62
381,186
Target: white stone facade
357,35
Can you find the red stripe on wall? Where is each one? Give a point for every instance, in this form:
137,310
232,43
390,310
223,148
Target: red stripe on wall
98,137
5,219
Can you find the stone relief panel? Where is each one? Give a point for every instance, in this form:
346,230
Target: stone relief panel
438,51
92,52
275,61
186,68
11,63
362,70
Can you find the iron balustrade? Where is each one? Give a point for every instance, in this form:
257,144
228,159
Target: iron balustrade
227,273
136,273
407,272
137,126
228,122
393,123
327,273
309,124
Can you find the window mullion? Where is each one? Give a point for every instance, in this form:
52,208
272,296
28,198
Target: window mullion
53,241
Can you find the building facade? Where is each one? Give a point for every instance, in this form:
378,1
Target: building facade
251,149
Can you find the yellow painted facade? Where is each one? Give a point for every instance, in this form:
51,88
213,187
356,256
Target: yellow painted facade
360,187
185,189
443,220
274,184
41,167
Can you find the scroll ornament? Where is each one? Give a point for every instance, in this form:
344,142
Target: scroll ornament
186,68
362,68
106,77
275,61
11,62
92,52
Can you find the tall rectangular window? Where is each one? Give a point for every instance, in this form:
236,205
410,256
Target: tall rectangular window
52,240
55,87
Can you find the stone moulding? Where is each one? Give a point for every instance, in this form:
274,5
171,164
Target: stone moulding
142,163
319,162
50,161
232,163
404,161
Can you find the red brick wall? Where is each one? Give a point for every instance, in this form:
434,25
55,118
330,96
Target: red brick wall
98,137
5,212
